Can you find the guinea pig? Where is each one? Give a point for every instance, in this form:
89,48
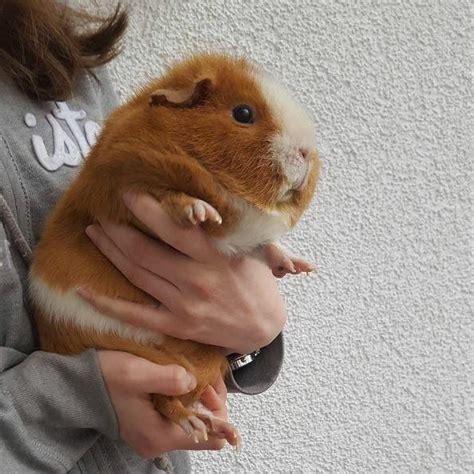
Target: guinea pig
220,144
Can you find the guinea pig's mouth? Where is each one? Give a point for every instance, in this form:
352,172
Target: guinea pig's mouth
298,184
301,182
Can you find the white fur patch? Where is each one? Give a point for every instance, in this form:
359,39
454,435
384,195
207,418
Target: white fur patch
254,228
69,307
296,129
294,122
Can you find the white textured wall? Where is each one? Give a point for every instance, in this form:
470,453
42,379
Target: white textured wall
376,377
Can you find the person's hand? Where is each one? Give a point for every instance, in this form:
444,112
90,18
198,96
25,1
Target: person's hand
206,297
130,380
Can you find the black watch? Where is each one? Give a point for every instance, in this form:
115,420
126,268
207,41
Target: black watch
237,361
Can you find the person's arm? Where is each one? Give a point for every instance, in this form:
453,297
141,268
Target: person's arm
52,407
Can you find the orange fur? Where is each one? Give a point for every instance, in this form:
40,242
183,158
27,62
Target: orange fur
173,152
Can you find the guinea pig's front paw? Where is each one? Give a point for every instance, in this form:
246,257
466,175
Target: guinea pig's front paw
200,211
281,263
187,210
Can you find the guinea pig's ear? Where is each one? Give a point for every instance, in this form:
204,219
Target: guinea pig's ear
197,93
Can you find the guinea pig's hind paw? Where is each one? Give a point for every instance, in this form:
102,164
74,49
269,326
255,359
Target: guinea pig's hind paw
194,428
221,429
282,263
302,266
200,211
292,265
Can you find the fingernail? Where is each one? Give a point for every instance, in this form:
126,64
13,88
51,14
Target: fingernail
91,231
191,381
84,292
129,198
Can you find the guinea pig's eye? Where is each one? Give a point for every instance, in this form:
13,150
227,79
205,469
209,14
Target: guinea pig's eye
243,113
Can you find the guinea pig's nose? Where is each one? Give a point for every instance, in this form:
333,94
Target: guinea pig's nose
304,153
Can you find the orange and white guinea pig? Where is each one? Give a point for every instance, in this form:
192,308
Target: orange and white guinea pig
219,143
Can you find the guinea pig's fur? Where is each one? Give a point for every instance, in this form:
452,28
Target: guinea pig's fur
176,140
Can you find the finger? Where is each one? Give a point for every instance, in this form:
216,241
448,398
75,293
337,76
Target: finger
151,254
144,376
176,438
215,441
214,444
212,400
156,319
221,389
156,286
171,436
190,241
155,435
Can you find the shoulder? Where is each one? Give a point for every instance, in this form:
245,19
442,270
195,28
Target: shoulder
43,143
97,87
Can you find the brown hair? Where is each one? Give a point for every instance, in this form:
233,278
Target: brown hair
44,44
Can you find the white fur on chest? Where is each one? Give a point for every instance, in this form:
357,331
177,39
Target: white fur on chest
254,228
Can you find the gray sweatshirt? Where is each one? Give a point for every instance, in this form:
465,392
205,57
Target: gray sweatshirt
55,413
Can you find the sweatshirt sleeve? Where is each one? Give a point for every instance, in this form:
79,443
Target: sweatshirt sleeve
52,407
259,375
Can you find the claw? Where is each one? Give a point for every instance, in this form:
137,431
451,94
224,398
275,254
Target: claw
221,429
190,214
194,428
209,426
200,211
282,263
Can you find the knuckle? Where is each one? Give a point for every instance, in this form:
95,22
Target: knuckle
178,377
194,319
204,288
200,312
188,309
